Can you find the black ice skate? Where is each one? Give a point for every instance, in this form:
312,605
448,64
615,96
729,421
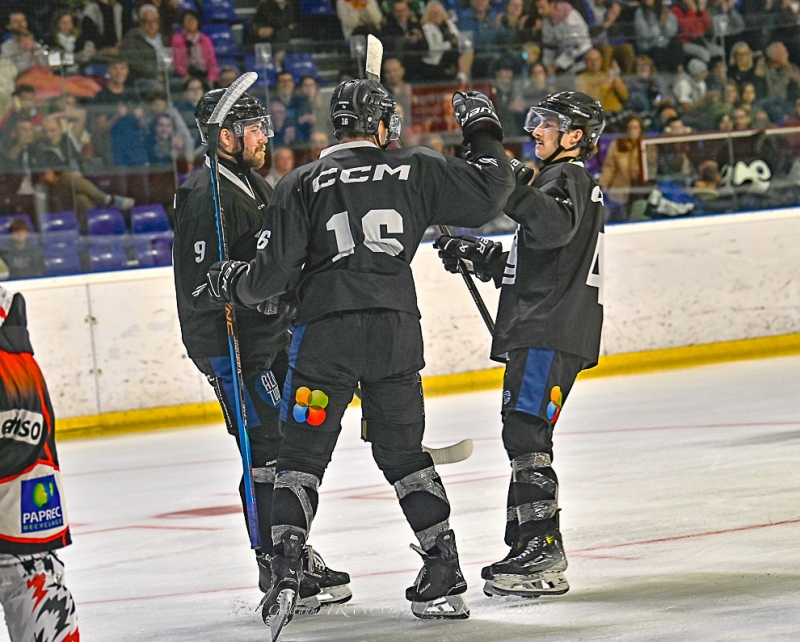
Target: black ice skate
332,584
308,602
534,569
278,605
437,591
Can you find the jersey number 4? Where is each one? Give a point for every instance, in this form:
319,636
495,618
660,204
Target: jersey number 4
371,223
595,277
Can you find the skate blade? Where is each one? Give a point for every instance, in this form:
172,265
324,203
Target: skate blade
449,607
308,606
285,604
532,586
334,594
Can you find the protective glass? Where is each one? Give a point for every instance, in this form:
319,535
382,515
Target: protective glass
541,117
265,121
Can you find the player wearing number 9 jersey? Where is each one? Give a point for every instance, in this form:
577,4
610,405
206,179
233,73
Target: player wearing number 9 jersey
548,326
343,232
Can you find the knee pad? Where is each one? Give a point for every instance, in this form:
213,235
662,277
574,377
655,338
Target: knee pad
425,505
304,487
523,434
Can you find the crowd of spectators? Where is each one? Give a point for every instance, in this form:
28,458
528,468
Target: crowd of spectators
111,121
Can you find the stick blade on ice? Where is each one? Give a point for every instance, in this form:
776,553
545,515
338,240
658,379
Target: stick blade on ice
237,88
374,57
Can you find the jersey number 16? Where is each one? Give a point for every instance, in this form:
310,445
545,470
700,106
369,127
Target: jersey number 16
371,223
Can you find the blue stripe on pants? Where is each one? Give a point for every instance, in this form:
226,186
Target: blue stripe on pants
224,372
534,381
297,337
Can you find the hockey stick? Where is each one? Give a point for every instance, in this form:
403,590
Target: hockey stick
473,290
452,454
237,88
374,58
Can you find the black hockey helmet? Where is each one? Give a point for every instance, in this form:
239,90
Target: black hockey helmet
360,106
245,111
572,110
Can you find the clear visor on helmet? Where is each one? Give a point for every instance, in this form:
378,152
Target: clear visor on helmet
395,126
265,123
539,117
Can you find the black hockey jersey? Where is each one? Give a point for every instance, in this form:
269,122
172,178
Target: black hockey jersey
244,196
344,229
552,289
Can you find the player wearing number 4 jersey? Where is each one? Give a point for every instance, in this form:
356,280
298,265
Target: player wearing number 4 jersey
344,230
547,329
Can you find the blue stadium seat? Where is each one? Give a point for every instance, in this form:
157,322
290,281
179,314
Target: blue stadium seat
317,7
153,254
6,221
103,258
150,222
299,65
60,261
222,37
250,64
187,5
60,229
95,69
105,221
219,11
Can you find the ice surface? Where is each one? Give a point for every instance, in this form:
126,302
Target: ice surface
680,493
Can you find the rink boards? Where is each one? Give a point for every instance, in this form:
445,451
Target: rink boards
675,291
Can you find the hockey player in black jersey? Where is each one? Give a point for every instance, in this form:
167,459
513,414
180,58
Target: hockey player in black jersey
342,232
547,329
244,195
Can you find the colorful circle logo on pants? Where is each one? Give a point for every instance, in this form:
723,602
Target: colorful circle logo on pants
556,401
310,406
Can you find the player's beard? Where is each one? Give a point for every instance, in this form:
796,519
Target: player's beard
255,158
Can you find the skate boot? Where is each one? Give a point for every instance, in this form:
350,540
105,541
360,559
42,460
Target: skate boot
308,602
437,591
278,605
332,584
537,569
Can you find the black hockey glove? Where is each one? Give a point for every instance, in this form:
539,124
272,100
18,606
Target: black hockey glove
476,254
278,306
222,278
475,112
522,173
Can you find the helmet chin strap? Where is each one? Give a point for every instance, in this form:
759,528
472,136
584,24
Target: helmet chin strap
238,156
559,150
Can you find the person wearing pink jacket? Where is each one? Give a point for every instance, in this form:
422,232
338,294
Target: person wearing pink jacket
194,52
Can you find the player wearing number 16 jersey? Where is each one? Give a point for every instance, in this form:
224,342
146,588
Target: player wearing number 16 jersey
343,231
548,326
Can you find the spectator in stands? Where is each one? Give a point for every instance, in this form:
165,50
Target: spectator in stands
741,119
748,97
622,169
690,89
481,20
17,159
194,51
21,253
724,123
512,26
282,164
565,37
114,101
21,48
665,114
728,22
434,142
673,159
275,21
156,105
163,146
294,104
359,17
607,37
319,141
694,30
64,36
535,86
284,132
742,70
75,120
193,91
760,19
656,29
394,80
227,74
23,107
143,47
508,99
783,82
169,15
402,34
442,60
315,111
646,90
57,159
102,24
605,86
